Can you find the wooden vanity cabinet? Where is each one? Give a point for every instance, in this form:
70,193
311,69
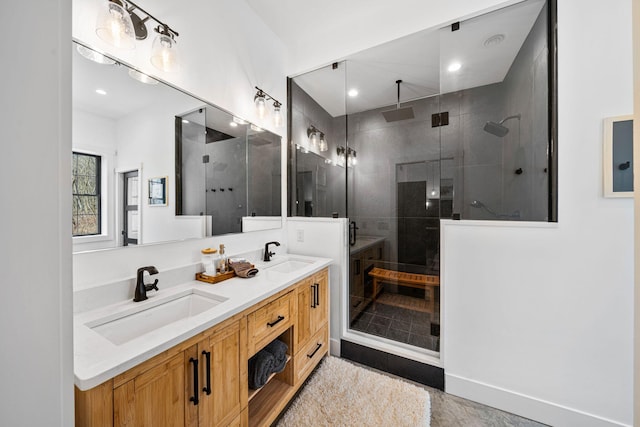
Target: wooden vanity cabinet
168,389
312,306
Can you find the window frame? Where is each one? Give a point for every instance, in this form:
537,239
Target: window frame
99,193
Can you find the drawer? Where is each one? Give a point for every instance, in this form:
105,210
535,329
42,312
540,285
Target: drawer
309,356
266,323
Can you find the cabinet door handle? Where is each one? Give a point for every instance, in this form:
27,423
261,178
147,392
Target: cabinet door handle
194,398
207,388
317,294
271,324
315,351
313,296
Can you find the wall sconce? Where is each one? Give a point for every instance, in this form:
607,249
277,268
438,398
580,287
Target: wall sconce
260,99
120,26
316,138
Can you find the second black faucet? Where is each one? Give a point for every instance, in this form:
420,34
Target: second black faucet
267,254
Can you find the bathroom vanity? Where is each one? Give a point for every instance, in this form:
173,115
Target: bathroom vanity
194,370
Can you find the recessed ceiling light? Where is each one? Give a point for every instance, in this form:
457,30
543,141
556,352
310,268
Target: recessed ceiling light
353,92
101,91
233,124
185,121
454,66
494,40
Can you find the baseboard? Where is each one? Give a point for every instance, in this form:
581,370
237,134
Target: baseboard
523,405
429,375
334,347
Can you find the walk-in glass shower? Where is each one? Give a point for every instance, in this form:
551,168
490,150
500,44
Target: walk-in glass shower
449,123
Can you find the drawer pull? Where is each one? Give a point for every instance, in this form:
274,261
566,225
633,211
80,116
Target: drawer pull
194,398
272,324
315,351
207,388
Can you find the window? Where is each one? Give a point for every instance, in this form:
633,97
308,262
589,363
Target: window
87,204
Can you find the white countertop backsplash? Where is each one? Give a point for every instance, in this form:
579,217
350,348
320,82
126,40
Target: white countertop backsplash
96,359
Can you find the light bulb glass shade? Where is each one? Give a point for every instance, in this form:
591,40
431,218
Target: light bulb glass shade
164,53
94,56
142,77
314,139
261,105
322,145
277,116
114,26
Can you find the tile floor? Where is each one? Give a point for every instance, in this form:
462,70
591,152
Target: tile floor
449,411
399,324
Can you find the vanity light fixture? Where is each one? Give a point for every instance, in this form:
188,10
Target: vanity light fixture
119,25
346,156
317,139
260,100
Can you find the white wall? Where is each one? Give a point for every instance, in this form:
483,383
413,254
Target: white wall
538,320
35,223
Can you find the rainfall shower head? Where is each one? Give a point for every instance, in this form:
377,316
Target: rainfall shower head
498,129
398,114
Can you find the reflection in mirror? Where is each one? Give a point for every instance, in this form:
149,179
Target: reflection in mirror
132,124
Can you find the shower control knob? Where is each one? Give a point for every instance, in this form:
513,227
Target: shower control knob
519,171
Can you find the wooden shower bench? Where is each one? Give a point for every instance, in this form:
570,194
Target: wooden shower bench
420,281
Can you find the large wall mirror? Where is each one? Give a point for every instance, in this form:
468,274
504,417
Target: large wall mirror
136,141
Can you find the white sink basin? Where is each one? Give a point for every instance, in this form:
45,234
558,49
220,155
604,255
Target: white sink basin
291,265
124,326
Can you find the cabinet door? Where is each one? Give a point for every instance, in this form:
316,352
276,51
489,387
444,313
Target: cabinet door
154,398
305,303
221,358
320,306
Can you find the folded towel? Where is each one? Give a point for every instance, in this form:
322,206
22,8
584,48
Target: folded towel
244,269
279,351
260,367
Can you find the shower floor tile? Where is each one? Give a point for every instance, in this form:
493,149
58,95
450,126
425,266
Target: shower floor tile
400,324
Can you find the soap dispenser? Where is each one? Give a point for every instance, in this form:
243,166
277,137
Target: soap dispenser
209,261
223,267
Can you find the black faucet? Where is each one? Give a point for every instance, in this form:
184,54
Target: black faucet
141,288
267,254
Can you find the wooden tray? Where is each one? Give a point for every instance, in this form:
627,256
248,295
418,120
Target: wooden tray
215,279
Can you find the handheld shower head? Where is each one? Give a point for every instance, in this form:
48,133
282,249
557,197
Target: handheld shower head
498,129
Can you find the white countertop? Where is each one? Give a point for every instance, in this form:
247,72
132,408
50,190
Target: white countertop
363,242
96,359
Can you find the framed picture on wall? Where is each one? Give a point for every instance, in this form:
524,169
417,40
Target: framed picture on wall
618,156
158,191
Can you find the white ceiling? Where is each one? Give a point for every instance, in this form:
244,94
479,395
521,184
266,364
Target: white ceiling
126,95
420,60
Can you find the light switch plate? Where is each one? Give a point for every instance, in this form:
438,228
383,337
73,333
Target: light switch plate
300,235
